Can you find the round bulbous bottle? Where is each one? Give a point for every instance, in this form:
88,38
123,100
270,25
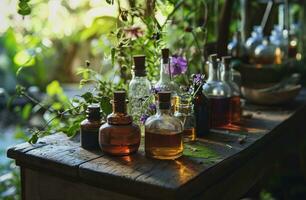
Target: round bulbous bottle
236,48
89,132
265,53
253,41
163,132
119,136
279,39
218,94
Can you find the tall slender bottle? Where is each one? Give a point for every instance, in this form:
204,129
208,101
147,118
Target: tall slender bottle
228,77
218,94
163,132
119,136
139,87
201,112
165,82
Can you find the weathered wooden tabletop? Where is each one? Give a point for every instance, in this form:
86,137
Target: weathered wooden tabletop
224,165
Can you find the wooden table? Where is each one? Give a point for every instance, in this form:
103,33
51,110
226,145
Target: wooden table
225,165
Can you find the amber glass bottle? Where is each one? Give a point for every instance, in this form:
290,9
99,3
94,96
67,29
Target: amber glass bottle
90,128
119,136
163,132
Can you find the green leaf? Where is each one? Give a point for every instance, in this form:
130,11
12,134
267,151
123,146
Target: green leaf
106,106
199,150
24,58
88,97
101,25
113,53
26,111
54,88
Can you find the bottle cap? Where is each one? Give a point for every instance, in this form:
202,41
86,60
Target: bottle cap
164,97
226,60
93,111
213,58
139,65
165,55
119,96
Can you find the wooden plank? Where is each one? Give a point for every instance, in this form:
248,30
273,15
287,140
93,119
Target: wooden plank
40,186
60,157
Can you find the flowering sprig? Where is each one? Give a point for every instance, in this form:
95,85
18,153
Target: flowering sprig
178,66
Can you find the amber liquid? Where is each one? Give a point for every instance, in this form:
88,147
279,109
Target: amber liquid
119,140
189,134
235,109
163,145
220,114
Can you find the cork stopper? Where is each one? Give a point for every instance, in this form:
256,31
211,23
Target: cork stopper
165,55
139,65
119,102
93,112
226,60
164,100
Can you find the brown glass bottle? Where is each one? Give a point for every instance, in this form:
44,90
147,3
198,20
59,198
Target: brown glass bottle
163,132
119,136
90,128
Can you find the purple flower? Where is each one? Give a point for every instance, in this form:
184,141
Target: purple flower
144,118
198,79
155,90
152,107
178,66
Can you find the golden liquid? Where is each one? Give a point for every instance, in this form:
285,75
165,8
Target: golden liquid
163,145
189,134
235,109
174,103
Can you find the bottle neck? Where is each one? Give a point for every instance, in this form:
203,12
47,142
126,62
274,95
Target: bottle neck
164,66
120,108
163,112
213,72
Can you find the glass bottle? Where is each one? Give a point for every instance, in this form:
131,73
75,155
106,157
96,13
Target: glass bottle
139,87
89,132
119,136
279,39
218,94
265,53
228,77
185,113
253,41
235,48
201,112
293,41
163,132
165,83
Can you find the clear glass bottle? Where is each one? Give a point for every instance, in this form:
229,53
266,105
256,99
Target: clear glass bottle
163,132
228,77
236,48
89,132
279,39
165,83
253,41
119,136
185,113
265,53
218,94
139,88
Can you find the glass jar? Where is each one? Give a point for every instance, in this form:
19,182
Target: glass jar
236,48
265,53
218,94
139,88
165,82
163,132
185,113
119,136
253,41
89,132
